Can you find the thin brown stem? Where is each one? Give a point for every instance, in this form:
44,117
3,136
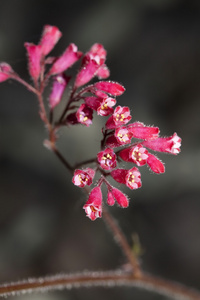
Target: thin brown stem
122,241
61,158
106,279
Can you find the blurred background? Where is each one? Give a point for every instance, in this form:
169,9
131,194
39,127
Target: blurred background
154,51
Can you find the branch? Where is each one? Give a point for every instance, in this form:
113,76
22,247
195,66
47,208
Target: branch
104,279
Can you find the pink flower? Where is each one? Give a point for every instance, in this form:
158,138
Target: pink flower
120,117
49,39
132,177
140,131
34,59
107,159
121,198
84,177
66,60
105,108
110,198
103,72
93,206
84,115
110,87
123,135
59,85
5,71
137,154
155,164
169,144
93,60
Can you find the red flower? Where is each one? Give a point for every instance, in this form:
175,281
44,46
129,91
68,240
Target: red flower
93,206
120,117
110,198
140,131
103,106
34,59
66,60
84,177
137,154
107,159
59,85
110,87
155,164
121,198
169,144
132,177
50,37
84,115
123,135
93,60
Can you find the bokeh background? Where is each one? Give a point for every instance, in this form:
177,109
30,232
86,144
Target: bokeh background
154,50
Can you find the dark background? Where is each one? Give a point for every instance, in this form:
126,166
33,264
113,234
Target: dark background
154,50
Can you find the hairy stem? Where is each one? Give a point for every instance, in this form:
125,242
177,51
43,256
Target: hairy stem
105,279
122,241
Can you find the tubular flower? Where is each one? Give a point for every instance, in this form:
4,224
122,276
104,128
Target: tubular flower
137,154
34,59
169,144
140,131
110,198
120,197
93,60
84,115
59,85
105,109
107,159
155,164
93,207
50,37
120,117
123,135
84,177
132,177
66,60
110,87
103,106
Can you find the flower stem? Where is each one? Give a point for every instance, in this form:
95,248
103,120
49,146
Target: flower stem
106,279
122,241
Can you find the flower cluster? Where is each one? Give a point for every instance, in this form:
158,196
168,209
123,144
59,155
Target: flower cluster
121,141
